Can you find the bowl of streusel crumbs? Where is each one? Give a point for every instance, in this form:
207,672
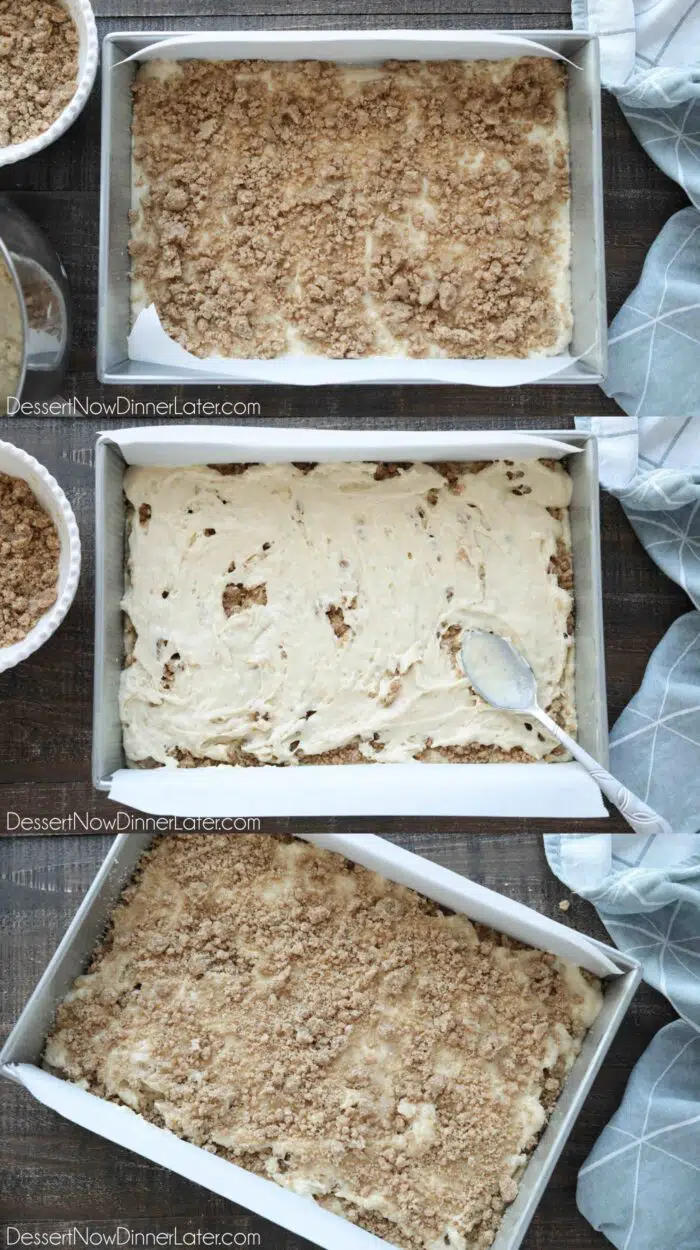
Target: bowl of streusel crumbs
48,63
39,555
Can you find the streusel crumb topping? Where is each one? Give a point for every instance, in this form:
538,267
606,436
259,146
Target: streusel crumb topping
38,67
413,208
29,557
317,1024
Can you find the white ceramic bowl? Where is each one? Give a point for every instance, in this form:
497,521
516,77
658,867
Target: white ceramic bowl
88,55
17,463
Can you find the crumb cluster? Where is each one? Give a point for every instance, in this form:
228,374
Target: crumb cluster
417,208
38,67
29,554
318,1025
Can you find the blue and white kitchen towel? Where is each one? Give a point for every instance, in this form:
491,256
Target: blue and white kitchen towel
652,464
650,60
641,1182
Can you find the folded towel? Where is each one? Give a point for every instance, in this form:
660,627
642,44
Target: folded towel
650,60
654,341
640,1183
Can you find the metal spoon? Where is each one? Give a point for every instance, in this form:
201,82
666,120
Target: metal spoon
503,677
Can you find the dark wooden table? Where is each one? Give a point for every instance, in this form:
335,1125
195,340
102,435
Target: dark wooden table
57,1176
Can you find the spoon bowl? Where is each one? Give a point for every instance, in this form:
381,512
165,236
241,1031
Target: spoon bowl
499,673
503,677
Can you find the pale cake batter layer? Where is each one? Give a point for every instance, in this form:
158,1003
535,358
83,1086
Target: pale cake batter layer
287,614
316,1024
406,209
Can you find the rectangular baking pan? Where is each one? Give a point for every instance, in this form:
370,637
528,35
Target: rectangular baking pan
397,788
587,240
26,1042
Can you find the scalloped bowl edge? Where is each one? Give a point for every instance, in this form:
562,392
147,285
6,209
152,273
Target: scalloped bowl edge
18,463
82,15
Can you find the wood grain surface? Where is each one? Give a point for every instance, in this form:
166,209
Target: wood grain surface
56,1175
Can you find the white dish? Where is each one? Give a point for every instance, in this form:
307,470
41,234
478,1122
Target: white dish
88,56
18,463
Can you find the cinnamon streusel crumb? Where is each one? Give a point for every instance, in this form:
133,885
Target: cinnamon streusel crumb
38,67
339,1034
29,554
415,208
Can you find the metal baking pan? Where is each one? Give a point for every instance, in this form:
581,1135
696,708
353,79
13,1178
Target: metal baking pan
26,1042
198,444
589,342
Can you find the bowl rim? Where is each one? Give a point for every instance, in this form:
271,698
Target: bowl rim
47,624
15,152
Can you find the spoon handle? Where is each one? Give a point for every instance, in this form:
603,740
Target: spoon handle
638,814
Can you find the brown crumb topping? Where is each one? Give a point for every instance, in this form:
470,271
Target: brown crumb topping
474,754
389,469
414,209
237,597
38,67
29,555
229,470
337,622
348,754
561,563
318,1025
